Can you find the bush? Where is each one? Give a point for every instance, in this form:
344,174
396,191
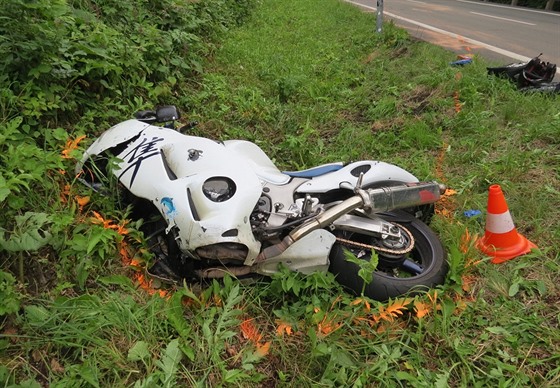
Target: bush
63,60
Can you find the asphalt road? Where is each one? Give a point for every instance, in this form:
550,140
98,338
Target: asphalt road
500,33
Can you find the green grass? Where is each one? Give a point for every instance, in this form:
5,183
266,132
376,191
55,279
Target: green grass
311,82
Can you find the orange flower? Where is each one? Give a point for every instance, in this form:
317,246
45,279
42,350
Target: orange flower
82,201
465,241
108,224
449,192
283,327
421,308
249,331
327,327
262,350
146,285
363,301
445,205
98,219
393,310
125,253
71,145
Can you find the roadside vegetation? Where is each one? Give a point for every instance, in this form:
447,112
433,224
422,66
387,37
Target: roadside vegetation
310,82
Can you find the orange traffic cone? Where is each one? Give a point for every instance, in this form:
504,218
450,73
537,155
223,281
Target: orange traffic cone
501,240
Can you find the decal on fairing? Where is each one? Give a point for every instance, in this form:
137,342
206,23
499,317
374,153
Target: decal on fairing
145,150
169,207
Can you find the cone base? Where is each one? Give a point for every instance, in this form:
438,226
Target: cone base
500,254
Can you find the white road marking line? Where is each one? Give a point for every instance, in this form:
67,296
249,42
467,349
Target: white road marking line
506,19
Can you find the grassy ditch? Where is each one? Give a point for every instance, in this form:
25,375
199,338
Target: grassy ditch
310,82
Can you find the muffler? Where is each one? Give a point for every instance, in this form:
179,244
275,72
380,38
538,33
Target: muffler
371,201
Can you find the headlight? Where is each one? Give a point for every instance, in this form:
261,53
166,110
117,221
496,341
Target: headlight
218,189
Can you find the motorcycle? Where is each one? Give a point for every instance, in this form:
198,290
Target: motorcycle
211,208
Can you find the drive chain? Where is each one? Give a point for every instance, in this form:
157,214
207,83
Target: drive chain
406,250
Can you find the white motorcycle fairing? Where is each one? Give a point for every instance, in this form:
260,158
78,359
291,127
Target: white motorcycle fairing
374,173
170,169
310,254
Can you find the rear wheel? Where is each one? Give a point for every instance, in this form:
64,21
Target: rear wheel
424,267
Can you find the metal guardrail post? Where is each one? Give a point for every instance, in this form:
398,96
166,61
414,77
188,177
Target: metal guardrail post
379,16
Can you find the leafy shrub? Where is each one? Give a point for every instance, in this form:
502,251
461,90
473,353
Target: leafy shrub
63,59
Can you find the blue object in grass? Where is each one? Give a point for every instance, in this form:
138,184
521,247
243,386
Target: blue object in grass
472,213
461,62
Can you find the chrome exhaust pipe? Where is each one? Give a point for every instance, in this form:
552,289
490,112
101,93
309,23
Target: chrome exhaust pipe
371,200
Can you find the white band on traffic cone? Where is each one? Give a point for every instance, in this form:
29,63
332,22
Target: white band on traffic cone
499,223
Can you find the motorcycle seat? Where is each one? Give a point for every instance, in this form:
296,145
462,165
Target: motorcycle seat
315,171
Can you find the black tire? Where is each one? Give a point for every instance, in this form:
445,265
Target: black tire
389,281
168,264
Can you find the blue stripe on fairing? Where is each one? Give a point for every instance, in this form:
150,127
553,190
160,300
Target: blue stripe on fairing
315,171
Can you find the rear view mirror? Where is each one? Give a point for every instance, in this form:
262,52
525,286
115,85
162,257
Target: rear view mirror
167,113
